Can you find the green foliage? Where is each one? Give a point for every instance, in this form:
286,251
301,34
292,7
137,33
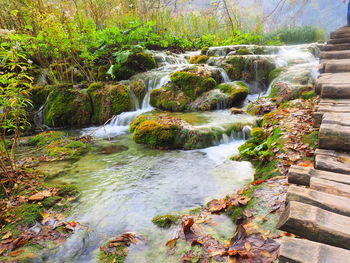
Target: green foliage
300,35
309,95
311,139
67,190
51,201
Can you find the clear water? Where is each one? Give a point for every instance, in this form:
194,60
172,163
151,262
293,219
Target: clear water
123,191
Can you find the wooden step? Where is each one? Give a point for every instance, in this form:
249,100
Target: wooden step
343,54
302,175
336,106
316,224
330,187
334,47
335,132
295,250
332,203
335,91
339,41
335,66
332,79
332,161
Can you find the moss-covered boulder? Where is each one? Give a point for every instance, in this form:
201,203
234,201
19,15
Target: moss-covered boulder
67,106
249,68
139,88
199,59
185,87
47,137
38,95
226,95
67,149
108,101
284,91
165,132
135,63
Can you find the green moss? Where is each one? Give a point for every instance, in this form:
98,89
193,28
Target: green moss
165,221
67,190
29,213
192,84
244,51
95,86
109,101
236,92
308,95
118,256
152,133
257,133
46,138
199,59
311,139
38,95
204,50
139,88
275,73
51,201
67,107
67,149
267,170
136,63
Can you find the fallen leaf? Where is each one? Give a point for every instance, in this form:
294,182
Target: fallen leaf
7,235
16,253
215,206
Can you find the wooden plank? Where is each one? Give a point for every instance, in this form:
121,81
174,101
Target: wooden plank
295,250
301,175
332,79
335,91
316,224
343,54
332,161
330,187
335,131
345,46
335,65
329,202
339,40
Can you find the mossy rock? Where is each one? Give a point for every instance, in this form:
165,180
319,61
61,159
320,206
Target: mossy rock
108,101
258,133
199,59
67,190
136,63
204,50
275,73
67,149
139,88
67,106
165,221
51,201
244,51
167,99
28,214
38,95
308,95
192,84
46,138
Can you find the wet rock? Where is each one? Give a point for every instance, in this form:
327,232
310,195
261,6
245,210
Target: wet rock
108,101
139,88
110,149
198,59
67,106
237,111
135,63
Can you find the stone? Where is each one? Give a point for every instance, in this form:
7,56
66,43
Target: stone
316,224
295,250
301,175
329,202
237,111
332,161
330,187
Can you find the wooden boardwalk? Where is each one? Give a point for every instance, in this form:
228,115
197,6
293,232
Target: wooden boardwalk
318,200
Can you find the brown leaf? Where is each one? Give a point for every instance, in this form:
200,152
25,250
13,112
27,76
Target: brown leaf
7,235
16,253
217,205
171,243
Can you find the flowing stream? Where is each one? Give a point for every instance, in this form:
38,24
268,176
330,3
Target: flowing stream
124,185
